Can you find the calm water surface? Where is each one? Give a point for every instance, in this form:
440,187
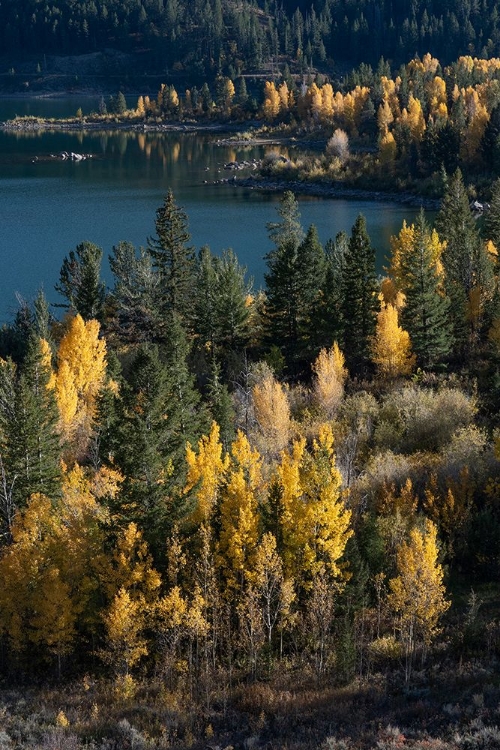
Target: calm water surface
48,206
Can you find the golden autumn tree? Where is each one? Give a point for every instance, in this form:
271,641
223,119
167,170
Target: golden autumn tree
271,104
239,518
272,415
81,370
330,375
314,523
417,594
125,642
391,346
206,471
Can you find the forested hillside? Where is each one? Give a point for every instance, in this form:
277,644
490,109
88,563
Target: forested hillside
219,503
206,37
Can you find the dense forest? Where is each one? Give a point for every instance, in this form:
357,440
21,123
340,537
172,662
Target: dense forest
212,498
201,38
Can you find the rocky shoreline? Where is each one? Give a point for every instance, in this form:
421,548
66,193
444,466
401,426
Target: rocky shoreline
333,189
330,190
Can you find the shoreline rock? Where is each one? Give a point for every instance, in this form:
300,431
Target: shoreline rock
335,190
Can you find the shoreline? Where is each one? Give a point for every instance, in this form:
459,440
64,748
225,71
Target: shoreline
334,189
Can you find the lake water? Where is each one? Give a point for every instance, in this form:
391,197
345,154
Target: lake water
48,206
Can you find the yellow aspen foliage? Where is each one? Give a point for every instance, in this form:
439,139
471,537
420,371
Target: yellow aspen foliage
477,119
387,149
272,414
327,101
416,119
449,509
54,614
338,105
284,95
436,93
330,376
49,574
314,522
140,109
384,117
403,246
360,95
124,623
169,626
349,112
80,376
132,567
391,347
239,511
46,355
315,101
417,593
271,104
402,502
275,593
390,295
390,89
206,471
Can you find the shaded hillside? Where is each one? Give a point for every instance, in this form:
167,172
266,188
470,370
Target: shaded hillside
205,37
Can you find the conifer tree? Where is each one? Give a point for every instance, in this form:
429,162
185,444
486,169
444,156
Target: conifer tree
468,269
360,294
31,451
80,282
426,311
174,262
134,295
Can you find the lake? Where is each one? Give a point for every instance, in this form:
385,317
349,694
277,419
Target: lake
49,205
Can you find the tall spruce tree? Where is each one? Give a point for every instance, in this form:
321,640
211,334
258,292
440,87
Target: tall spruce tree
468,269
328,317
174,261
80,282
360,297
282,278
31,449
294,283
133,297
492,217
426,312
157,413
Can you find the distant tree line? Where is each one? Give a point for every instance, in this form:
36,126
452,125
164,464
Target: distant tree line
204,38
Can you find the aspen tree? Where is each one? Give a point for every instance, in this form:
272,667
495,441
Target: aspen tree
124,623
314,523
271,105
391,348
81,370
239,512
417,593
205,474
272,414
330,376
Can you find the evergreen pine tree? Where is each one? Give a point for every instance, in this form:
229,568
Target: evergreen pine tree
31,451
80,283
426,312
282,278
468,269
328,320
133,298
174,262
360,296
492,217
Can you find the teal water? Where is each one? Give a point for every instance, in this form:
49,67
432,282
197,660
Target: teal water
48,206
